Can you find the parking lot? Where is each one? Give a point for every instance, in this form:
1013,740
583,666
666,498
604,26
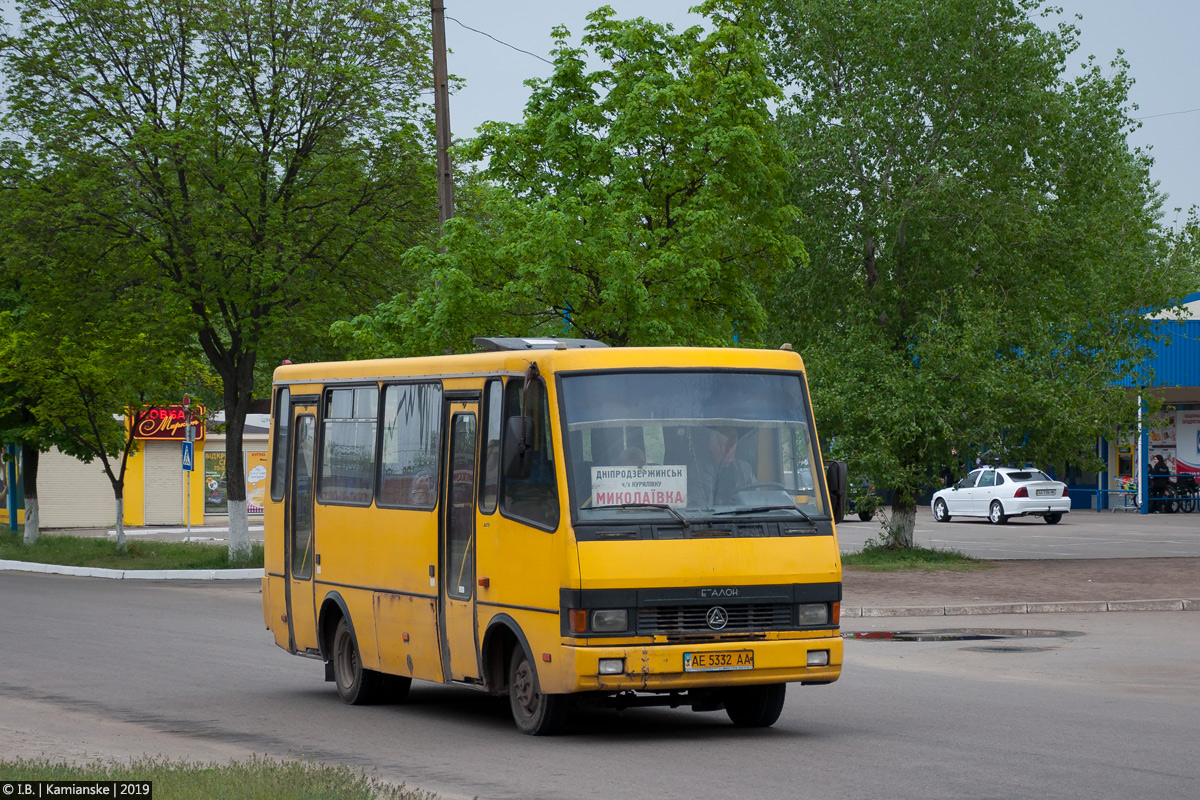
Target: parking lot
1081,534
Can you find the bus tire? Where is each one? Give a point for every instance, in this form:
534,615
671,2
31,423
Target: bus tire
755,706
535,713
356,686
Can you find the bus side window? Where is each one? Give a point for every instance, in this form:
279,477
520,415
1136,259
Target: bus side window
347,474
534,499
408,464
283,421
489,488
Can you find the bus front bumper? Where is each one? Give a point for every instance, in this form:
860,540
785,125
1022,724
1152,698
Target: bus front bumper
679,667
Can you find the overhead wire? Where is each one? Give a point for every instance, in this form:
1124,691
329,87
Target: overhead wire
1168,114
499,41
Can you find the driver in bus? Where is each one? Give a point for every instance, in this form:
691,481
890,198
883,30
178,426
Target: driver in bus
718,479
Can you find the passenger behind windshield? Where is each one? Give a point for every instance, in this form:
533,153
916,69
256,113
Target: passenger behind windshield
715,479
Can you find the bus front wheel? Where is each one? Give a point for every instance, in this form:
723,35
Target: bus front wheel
535,713
755,706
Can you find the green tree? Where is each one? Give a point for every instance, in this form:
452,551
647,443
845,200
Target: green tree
85,340
268,158
638,203
983,242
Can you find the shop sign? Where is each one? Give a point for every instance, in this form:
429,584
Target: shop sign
169,423
1162,428
1188,441
214,483
256,481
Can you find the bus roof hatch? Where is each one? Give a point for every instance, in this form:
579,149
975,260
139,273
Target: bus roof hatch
539,343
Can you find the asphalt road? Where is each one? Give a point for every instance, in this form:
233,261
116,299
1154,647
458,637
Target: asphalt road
120,668
1081,534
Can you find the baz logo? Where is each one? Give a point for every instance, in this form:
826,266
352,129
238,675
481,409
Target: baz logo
717,618
726,592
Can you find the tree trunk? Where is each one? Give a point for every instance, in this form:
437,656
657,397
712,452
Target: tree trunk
120,523
239,520
902,522
29,473
237,405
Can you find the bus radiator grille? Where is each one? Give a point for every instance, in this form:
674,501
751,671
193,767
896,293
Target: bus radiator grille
675,620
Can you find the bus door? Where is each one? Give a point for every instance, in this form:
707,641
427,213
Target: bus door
299,544
457,545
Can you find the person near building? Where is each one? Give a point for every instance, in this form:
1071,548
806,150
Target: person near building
1159,481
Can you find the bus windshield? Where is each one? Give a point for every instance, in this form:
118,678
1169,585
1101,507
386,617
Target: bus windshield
696,444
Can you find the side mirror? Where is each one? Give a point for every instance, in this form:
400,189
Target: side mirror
517,456
838,485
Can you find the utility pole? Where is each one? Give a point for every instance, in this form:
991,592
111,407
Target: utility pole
441,113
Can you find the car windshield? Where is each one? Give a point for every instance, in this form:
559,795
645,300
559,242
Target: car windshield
1029,475
696,443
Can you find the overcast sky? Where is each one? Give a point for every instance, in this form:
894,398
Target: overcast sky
1159,38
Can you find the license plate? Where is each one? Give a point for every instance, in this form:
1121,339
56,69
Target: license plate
1047,492
721,661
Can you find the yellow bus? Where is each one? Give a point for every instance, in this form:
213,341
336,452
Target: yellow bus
556,521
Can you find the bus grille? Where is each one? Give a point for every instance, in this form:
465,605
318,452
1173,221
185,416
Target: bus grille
674,620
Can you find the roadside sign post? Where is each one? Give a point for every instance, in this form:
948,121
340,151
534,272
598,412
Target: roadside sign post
189,464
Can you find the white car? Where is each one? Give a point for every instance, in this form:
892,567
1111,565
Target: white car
1002,492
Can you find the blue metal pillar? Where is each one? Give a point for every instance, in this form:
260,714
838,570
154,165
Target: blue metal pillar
10,467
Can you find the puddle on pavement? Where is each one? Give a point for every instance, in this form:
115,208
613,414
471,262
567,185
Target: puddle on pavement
966,635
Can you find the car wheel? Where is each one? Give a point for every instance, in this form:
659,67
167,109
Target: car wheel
865,516
1052,519
755,706
940,512
996,514
535,713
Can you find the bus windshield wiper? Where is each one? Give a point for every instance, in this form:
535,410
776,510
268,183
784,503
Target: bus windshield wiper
760,509
687,525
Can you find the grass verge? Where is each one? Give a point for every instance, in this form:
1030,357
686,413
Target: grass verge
79,551
254,779
881,558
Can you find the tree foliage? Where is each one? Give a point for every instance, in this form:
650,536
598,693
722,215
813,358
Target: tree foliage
85,340
637,203
267,158
983,242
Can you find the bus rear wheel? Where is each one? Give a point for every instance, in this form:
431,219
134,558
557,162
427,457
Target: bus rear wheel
535,713
356,685
755,706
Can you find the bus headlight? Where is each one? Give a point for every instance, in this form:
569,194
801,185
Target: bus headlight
818,658
610,620
813,613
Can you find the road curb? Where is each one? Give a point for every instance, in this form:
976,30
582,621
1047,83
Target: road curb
1182,604
134,574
